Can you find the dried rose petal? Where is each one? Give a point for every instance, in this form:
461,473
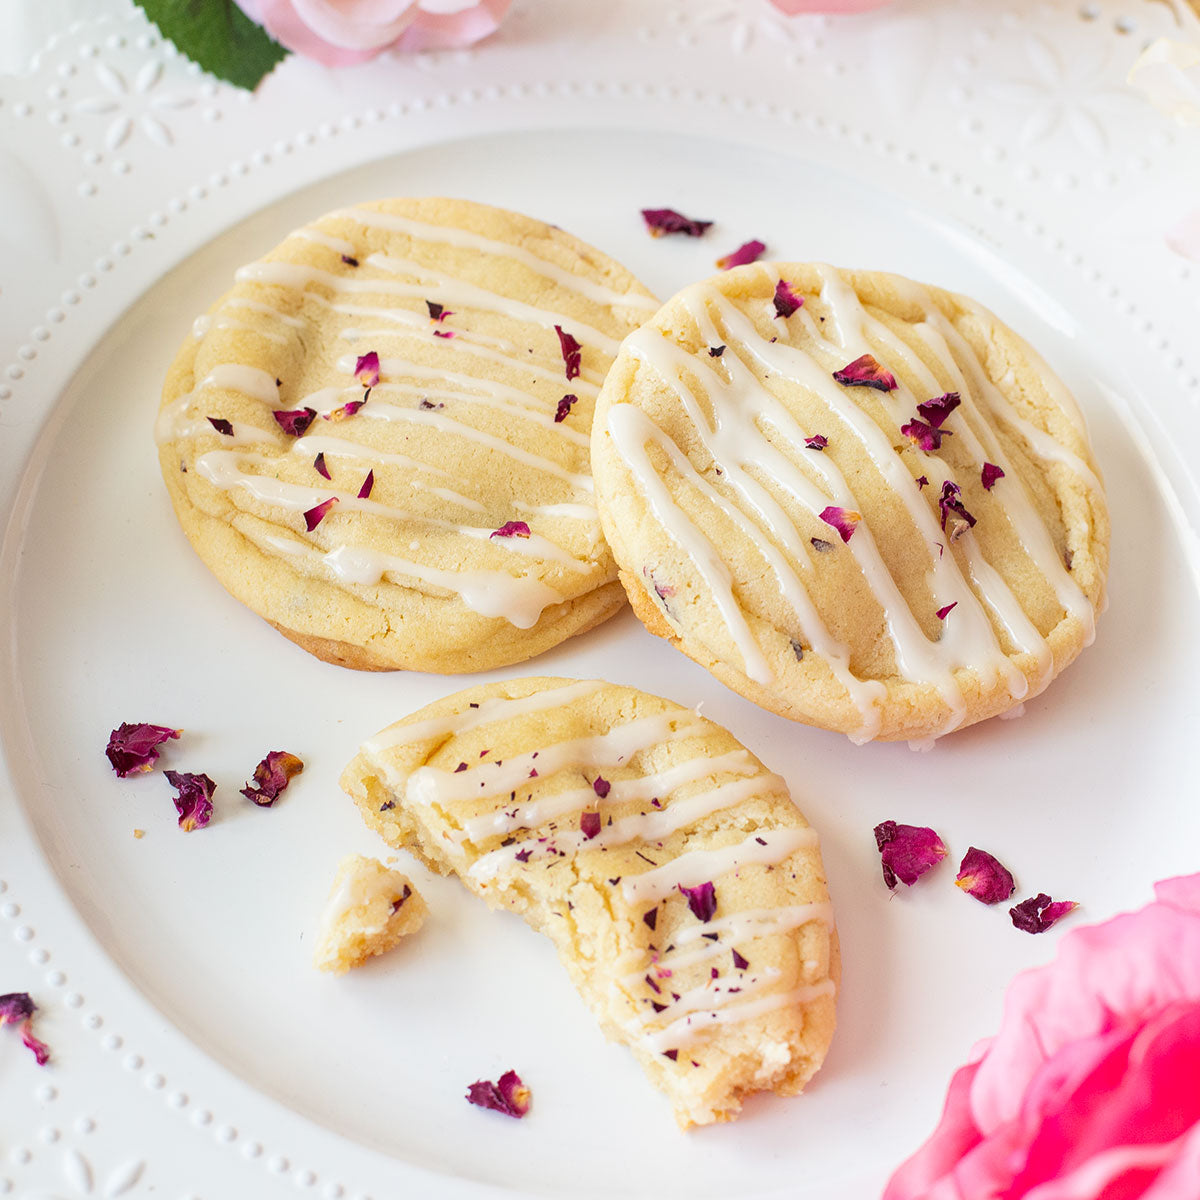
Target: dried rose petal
131,748
366,368
925,437
350,260
346,410
511,529
907,851
1039,912
271,776
319,465
786,301
949,502
570,351
747,252
660,221
437,312
650,916
444,333
589,824
983,876
935,411
194,802
989,474
715,351
367,484
294,421
922,483
507,1095
817,442
221,425
564,407
17,1008
739,962
601,786
702,900
821,545
865,372
944,611
314,516
842,519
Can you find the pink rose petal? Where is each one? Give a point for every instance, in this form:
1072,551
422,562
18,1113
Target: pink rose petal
193,801
864,371
222,426
511,529
950,502
315,515
1039,912
367,484
786,301
589,824
294,421
907,851
935,411
17,1008
844,520
985,877
989,474
661,221
271,777
925,437
564,408
944,611
508,1095
818,442
366,369
702,900
132,749
319,465
747,252
571,352
346,410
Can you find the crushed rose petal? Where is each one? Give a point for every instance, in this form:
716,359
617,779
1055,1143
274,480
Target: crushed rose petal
949,502
564,407
444,333
925,437
715,351
346,410
315,515
1039,912
747,252
650,917
221,425
739,962
922,483
935,411
985,877
294,421
271,777
437,312
319,465
508,1095
511,529
786,301
864,371
907,851
17,1008
601,786
843,520
660,221
571,352
817,442
350,260
194,802
989,474
702,900
589,824
131,748
366,368
944,611
367,484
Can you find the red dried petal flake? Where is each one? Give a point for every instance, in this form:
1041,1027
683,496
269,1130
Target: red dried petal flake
660,221
747,252
194,802
601,786
523,855
985,877
817,442
437,312
786,301
650,916
935,411
739,962
989,474
570,351
294,421
131,748
922,483
444,333
842,519
367,484
1039,912
314,516
271,776
864,371
366,368
702,900
350,260
346,410
589,824
907,851
949,502
944,611
564,407
17,1008
508,1095
319,465
221,425
511,529
925,437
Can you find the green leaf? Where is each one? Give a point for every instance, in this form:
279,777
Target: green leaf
219,36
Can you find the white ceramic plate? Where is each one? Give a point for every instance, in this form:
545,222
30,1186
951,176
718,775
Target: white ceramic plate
195,1047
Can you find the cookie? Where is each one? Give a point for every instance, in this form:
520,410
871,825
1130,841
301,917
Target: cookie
861,502
369,910
682,888
378,440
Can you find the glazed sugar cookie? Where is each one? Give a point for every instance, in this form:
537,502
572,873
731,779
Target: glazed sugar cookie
863,503
378,440
683,890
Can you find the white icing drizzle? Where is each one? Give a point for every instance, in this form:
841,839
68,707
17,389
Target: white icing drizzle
337,244
767,848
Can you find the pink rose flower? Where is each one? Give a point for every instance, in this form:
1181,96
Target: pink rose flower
795,7
1091,1089
340,33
